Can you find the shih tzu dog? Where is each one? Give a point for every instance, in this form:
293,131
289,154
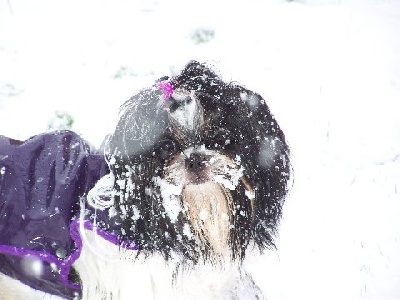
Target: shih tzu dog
199,171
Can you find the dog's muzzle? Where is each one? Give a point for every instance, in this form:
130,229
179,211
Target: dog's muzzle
196,166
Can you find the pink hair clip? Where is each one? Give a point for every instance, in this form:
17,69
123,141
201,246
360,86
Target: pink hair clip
167,89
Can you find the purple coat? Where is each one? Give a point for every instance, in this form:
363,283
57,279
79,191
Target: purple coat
41,183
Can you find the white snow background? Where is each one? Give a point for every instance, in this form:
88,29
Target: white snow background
329,70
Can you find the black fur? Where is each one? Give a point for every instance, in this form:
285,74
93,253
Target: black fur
144,142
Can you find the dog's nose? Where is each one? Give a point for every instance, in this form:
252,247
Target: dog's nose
196,162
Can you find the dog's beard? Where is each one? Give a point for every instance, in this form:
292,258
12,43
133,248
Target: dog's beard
209,208
209,200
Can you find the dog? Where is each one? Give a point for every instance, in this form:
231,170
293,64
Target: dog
199,171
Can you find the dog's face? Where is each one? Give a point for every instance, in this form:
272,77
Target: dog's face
203,173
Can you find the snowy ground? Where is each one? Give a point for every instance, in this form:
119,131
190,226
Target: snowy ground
330,71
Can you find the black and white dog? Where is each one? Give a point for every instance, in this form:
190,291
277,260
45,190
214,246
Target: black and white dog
199,174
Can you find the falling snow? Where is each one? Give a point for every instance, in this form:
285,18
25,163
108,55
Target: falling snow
328,69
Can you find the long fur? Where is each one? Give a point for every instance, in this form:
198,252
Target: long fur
254,137
121,274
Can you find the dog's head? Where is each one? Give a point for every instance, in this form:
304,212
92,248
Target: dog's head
201,167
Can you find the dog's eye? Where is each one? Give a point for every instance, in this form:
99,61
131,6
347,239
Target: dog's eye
167,147
221,139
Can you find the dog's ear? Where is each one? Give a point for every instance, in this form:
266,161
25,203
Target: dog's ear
274,174
140,126
269,167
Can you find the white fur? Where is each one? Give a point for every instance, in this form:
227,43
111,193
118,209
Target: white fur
189,115
108,272
12,289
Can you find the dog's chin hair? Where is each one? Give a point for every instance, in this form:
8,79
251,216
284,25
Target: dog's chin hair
101,196
209,207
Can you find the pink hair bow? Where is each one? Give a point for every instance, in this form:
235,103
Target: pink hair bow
167,89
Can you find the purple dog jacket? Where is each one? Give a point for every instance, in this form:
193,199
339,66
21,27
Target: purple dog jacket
42,182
